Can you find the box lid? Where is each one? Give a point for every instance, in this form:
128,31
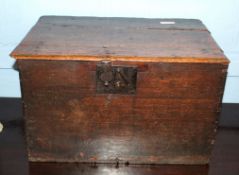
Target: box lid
120,39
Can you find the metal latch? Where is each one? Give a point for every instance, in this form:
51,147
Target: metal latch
115,79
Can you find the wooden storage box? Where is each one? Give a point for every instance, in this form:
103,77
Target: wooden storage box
120,90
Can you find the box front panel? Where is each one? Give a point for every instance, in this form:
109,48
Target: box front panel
171,118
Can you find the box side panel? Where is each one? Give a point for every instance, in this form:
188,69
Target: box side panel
171,119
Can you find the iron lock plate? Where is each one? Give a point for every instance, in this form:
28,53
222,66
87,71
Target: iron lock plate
115,79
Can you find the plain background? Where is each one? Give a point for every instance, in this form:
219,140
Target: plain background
220,17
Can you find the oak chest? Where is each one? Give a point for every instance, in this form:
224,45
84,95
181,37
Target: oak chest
120,90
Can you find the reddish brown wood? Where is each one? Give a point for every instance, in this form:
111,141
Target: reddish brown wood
172,117
101,169
13,160
125,39
172,123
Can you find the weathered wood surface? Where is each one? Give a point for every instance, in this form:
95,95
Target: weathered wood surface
172,118
13,159
124,39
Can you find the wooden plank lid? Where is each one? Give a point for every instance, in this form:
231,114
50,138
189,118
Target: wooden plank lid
121,39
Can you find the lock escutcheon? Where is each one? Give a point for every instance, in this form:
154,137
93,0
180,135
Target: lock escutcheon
115,79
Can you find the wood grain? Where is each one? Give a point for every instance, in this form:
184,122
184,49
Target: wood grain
67,121
171,119
13,159
124,39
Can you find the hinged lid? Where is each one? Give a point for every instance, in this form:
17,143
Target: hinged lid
122,39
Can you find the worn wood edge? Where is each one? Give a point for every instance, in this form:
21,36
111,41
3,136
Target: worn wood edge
114,165
115,17
223,60
158,160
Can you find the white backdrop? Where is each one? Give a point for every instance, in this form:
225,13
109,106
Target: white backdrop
18,16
